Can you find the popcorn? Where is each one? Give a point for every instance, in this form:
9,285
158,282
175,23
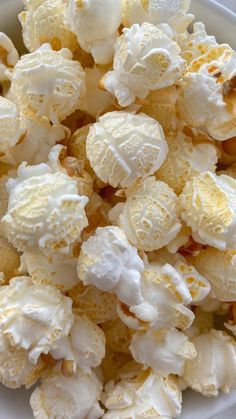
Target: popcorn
40,136
3,200
165,294
95,23
11,130
77,147
98,305
149,216
219,268
186,159
44,210
142,394
165,351
9,259
8,56
84,346
161,105
206,98
122,147
117,335
214,367
109,262
48,83
73,397
43,22
145,59
209,208
44,271
96,101
173,13
15,369
34,317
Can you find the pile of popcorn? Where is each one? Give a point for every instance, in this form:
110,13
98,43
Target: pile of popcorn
117,208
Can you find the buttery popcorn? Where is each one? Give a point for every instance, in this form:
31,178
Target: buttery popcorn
145,59
122,147
117,209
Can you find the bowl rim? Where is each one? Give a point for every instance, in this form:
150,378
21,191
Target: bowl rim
218,8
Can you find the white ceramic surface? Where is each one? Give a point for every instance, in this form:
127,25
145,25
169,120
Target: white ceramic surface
14,404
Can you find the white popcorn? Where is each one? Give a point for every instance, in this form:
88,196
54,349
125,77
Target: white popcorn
219,267
142,394
171,12
165,351
11,129
43,22
8,56
95,22
47,272
34,317
109,262
96,101
3,200
145,59
122,147
209,208
98,305
214,367
39,138
205,99
67,397
186,158
149,216
84,346
15,369
48,83
165,294
44,210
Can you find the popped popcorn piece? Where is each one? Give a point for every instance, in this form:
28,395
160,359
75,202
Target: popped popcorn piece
77,147
15,369
186,158
214,367
219,268
122,147
142,394
44,271
161,105
206,99
109,262
209,208
118,335
96,101
165,351
149,216
98,305
9,259
95,23
8,56
44,210
97,213
145,59
11,129
48,83
34,317
43,22
3,200
67,397
113,364
198,286
84,346
165,294
40,136
173,13
181,240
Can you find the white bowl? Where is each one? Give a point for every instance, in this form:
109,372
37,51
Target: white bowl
222,23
